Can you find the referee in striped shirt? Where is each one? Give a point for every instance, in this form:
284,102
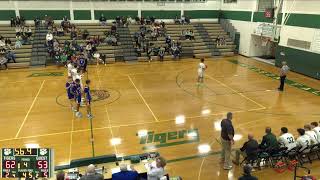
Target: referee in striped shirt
283,74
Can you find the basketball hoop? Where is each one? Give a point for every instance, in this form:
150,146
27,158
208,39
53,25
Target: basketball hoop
265,41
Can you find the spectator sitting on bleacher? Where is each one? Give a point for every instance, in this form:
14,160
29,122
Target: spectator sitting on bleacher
10,55
85,34
2,42
316,129
113,28
142,20
176,20
182,19
65,23
60,31
55,31
18,21
124,21
103,20
313,136
155,170
189,34
18,43
269,141
3,60
91,174
138,51
56,45
187,20
162,52
7,41
28,32
126,174
249,150
175,51
49,38
73,33
18,30
168,40
12,22
37,22
129,20
137,19
220,40
149,51
48,21
247,173
303,141
148,21
89,49
286,139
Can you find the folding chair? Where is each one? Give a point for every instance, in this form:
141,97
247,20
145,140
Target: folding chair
302,155
314,152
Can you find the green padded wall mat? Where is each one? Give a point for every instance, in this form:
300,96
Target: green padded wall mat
55,14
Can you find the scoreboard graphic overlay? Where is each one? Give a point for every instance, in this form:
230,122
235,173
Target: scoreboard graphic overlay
28,163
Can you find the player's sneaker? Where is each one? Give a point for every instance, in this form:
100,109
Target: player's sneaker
90,116
78,114
73,109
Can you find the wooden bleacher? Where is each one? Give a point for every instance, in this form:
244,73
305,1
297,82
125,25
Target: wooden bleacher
23,54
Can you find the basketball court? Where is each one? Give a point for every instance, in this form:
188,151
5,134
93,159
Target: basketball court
159,98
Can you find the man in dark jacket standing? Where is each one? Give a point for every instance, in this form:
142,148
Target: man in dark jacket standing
227,133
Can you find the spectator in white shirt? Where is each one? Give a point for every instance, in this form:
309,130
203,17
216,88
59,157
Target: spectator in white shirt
2,42
286,139
303,141
313,136
316,129
155,170
49,38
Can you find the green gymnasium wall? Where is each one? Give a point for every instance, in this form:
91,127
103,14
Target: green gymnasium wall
161,14
55,14
199,14
113,14
304,20
82,14
304,62
236,15
6,15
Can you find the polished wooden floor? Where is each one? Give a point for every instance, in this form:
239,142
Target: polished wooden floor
149,96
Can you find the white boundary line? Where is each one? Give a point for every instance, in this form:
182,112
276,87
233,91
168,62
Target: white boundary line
143,99
105,106
32,104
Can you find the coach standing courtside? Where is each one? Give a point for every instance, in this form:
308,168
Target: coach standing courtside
227,133
283,74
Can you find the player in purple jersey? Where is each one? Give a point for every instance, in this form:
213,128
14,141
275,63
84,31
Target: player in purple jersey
77,91
69,85
88,98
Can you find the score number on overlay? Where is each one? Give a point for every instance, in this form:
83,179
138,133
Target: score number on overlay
26,163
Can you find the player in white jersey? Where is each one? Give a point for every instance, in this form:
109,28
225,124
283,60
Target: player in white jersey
316,129
313,136
303,141
286,139
70,67
201,68
79,76
74,72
